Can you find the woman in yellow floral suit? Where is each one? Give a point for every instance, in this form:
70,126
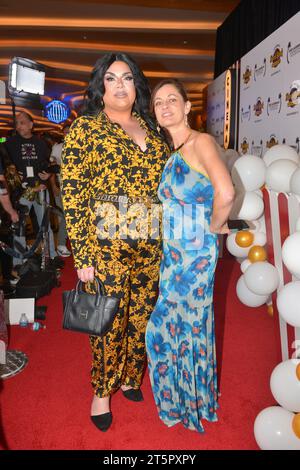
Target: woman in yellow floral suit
112,163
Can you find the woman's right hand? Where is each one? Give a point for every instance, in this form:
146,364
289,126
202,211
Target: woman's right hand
224,230
86,274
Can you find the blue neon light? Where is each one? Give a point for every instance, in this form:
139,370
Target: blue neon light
57,111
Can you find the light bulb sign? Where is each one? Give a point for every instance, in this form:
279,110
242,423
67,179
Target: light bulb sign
57,111
229,118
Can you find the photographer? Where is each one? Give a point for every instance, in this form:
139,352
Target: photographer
30,156
4,233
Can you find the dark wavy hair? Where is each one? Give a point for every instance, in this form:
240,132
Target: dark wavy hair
95,91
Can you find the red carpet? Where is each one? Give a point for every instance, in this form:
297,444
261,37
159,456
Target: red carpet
47,405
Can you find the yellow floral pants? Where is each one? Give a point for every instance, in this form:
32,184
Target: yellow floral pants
129,269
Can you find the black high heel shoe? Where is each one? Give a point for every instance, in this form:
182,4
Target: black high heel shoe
102,421
133,394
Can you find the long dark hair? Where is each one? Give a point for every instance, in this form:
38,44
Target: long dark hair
95,91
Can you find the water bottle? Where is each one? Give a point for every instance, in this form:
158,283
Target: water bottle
37,326
23,322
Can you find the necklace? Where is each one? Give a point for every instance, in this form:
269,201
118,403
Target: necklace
183,143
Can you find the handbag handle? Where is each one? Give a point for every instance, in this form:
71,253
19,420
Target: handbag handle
100,290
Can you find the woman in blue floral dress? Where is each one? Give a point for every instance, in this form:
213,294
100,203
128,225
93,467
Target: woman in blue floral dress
197,195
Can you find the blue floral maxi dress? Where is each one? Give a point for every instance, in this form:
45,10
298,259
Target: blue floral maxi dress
180,337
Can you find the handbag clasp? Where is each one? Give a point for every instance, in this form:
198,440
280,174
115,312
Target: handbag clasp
84,314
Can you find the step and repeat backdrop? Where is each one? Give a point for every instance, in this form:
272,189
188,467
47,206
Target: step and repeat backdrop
269,95
216,108
269,111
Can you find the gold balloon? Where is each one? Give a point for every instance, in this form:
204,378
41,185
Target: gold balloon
270,310
298,371
257,253
296,425
244,238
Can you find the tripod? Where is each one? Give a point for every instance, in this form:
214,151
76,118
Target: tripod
32,262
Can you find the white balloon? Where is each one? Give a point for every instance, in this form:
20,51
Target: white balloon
260,238
285,385
279,152
262,278
258,225
247,206
259,193
295,182
291,253
298,225
246,296
248,173
254,225
262,222
231,157
288,301
234,248
273,430
245,265
278,175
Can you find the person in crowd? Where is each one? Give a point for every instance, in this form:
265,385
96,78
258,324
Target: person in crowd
5,259
55,157
4,196
197,195
112,163
30,156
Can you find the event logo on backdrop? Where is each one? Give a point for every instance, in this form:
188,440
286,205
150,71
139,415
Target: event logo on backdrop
295,145
258,108
275,58
260,71
272,141
292,51
274,92
274,105
247,75
257,149
246,113
244,146
293,97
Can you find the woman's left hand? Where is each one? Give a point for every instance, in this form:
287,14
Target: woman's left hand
86,274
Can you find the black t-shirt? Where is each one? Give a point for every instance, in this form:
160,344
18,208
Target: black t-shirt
30,156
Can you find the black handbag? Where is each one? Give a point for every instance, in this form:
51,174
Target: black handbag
89,313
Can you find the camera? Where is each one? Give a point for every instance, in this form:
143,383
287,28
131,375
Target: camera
52,168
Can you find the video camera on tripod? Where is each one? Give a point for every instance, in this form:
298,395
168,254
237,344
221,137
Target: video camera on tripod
38,272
